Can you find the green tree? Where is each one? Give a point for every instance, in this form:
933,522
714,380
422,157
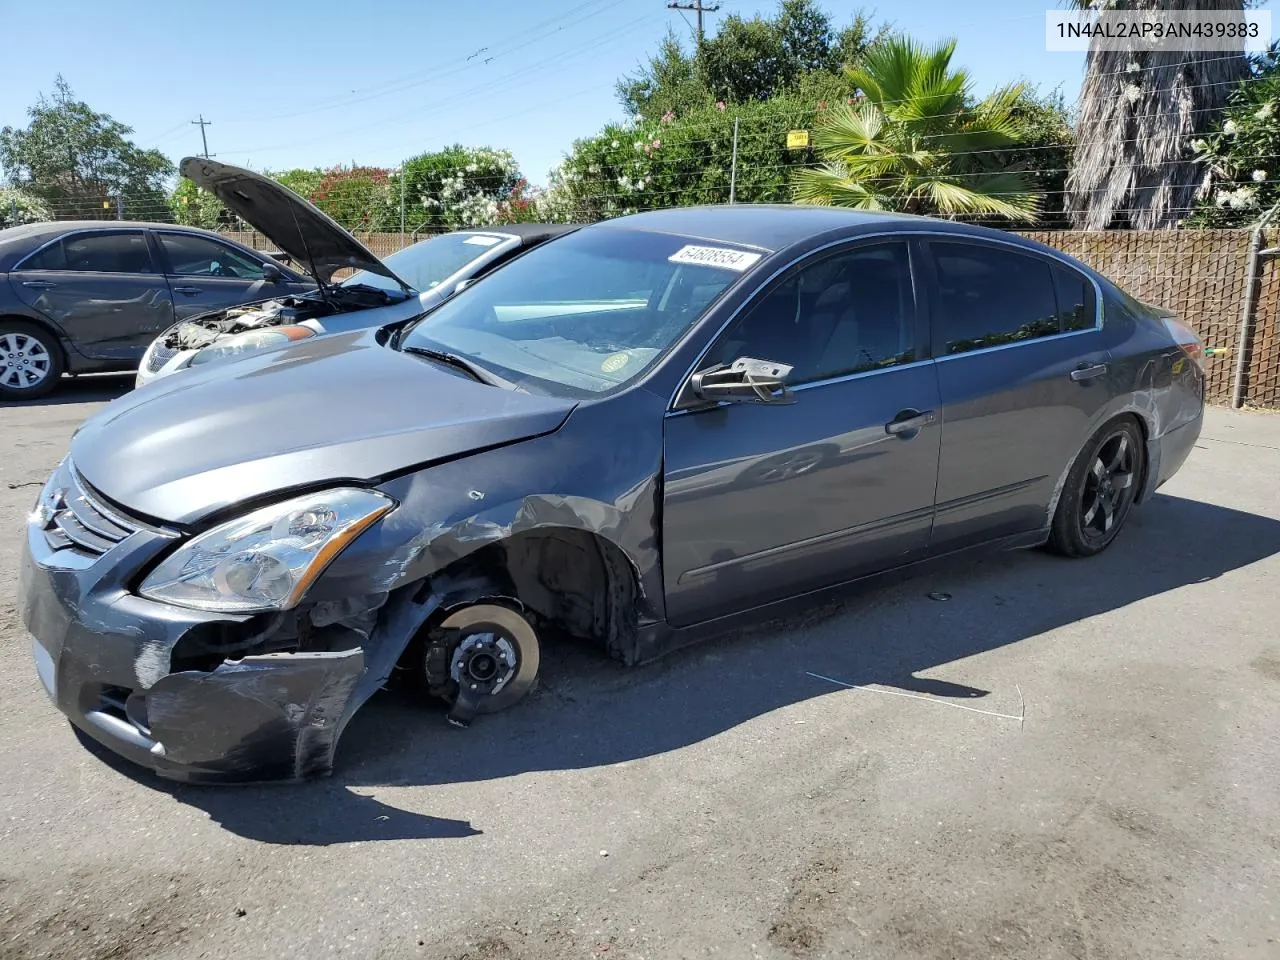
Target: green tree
301,180
194,207
669,83
913,138
1242,156
75,159
748,60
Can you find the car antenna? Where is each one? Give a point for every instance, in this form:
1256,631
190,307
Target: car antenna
306,247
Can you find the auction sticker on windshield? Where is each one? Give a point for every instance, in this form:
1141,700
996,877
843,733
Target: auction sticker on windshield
723,257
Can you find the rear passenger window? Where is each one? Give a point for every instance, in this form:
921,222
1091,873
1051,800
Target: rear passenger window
108,253
1076,309
990,297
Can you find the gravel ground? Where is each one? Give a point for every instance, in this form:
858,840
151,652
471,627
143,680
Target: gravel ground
1065,759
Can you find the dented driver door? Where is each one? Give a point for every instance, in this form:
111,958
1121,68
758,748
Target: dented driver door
766,500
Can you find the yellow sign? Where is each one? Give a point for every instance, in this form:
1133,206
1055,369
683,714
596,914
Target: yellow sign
797,139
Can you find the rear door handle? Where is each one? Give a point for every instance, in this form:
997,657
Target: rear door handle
909,422
39,284
1080,374
188,290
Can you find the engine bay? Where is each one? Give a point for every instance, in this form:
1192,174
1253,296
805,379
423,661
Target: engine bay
201,331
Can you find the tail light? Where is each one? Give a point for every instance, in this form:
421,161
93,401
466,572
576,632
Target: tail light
1187,341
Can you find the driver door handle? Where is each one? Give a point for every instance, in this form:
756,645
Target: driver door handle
187,290
909,422
1088,372
39,284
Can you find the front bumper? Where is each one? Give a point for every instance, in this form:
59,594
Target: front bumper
105,657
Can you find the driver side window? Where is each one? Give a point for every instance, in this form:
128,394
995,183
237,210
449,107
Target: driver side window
850,312
191,256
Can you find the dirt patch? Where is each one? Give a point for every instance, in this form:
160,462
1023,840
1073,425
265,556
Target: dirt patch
801,925
1268,665
87,918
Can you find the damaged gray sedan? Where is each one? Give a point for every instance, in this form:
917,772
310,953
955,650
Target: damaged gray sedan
636,435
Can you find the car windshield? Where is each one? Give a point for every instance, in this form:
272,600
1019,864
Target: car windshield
585,313
428,263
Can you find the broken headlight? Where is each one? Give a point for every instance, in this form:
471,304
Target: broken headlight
267,559
251,341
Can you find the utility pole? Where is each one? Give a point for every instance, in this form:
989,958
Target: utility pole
698,7
202,123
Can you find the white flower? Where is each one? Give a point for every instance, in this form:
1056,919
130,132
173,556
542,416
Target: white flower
1221,198
1230,128
1133,66
1243,198
639,144
615,144
472,168
1259,176
1265,111
1198,145
1132,92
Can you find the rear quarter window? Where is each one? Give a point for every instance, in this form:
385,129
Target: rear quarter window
989,296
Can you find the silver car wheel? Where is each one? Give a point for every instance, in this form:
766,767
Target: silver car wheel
25,362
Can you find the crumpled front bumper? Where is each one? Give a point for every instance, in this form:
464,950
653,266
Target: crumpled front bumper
104,656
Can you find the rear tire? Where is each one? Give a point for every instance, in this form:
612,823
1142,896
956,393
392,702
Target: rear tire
31,361
1100,491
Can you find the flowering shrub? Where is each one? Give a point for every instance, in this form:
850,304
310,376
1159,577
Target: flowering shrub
17,208
679,160
359,198
462,187
1242,169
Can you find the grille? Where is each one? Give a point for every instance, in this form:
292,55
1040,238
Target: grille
159,356
74,518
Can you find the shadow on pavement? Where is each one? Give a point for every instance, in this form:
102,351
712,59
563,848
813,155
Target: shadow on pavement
87,388
589,712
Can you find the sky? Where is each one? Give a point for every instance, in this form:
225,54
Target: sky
287,83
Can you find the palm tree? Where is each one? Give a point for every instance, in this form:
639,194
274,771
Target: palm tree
914,141
1138,112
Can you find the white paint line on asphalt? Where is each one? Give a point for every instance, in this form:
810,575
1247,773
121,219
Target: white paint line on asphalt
915,696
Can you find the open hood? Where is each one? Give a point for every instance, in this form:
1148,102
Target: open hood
313,239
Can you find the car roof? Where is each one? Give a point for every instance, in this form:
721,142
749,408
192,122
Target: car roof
17,242
773,227
529,233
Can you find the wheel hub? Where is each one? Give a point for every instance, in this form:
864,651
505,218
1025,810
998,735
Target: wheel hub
483,663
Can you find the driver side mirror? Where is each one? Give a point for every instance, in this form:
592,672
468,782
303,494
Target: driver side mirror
271,273
746,380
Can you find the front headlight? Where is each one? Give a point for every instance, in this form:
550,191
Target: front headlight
251,341
267,559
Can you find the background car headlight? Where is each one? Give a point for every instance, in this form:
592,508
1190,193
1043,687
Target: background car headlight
267,559
251,341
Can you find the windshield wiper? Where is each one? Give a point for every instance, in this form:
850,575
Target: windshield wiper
453,360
